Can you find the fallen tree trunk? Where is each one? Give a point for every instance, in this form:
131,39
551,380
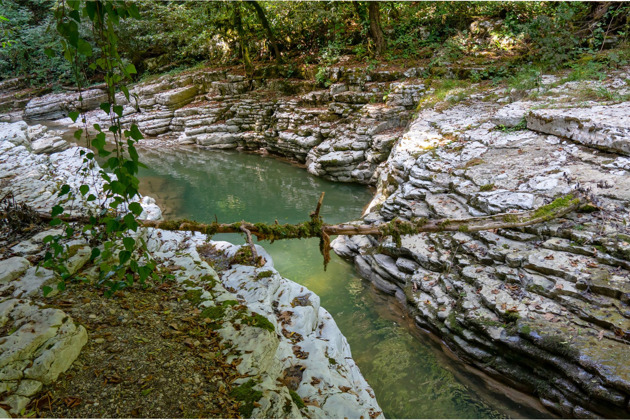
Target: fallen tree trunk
396,227
316,228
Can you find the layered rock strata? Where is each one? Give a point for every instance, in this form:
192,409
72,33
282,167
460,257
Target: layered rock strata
342,132
545,308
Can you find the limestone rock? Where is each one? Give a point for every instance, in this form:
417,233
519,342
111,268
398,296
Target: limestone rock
12,268
511,115
43,343
178,97
16,133
49,144
603,127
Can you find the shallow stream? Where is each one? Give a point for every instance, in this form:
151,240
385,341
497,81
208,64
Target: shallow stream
412,376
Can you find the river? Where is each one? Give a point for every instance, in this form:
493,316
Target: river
410,372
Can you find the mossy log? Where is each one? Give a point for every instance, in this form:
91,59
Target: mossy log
316,228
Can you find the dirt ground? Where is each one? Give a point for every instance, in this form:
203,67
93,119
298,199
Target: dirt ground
149,355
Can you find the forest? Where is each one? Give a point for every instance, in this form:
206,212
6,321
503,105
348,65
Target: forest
304,36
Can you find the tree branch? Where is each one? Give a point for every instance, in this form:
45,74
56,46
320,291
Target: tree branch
315,228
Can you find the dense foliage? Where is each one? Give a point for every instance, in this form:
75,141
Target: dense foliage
121,256
177,34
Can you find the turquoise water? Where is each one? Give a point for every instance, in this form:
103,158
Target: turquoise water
410,374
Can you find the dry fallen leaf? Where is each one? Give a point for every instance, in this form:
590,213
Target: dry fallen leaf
601,335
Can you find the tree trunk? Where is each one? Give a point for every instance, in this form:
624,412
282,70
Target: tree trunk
242,41
376,32
315,228
265,23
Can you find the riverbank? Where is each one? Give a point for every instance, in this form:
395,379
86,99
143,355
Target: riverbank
274,360
540,308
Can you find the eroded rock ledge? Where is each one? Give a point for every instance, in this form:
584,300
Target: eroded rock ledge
544,308
342,132
277,327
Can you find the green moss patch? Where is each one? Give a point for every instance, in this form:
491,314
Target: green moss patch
247,396
258,321
297,399
264,274
194,296
214,312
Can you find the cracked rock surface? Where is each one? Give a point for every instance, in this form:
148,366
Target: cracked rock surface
545,308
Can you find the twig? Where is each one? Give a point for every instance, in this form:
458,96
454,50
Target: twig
251,244
315,214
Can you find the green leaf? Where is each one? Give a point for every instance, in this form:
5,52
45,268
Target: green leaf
84,48
74,4
61,286
135,208
129,243
56,210
48,51
55,222
118,110
112,162
47,290
99,141
112,226
106,106
133,153
90,7
135,132
125,91
124,256
65,189
130,69
77,134
73,115
75,15
91,197
133,11
84,189
95,253
130,222
144,272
